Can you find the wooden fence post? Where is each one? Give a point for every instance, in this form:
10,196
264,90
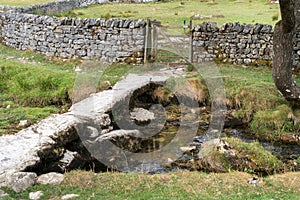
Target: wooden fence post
148,43
155,38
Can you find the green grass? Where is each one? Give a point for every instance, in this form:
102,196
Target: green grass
33,86
10,118
175,12
179,185
277,120
251,89
31,80
23,2
253,95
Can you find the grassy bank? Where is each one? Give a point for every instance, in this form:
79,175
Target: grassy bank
175,12
32,86
252,95
179,185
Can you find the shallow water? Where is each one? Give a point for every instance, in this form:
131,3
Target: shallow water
283,151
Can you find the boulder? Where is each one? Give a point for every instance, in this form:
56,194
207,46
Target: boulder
110,147
17,181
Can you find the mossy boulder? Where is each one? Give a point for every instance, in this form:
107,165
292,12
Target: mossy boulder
252,157
227,154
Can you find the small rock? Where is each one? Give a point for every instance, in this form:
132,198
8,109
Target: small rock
69,196
3,194
141,115
23,123
170,160
77,69
254,181
188,150
68,159
35,195
8,106
50,178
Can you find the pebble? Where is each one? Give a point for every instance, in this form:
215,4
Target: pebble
35,195
69,196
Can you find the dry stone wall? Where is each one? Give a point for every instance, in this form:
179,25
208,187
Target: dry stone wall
124,40
236,43
107,40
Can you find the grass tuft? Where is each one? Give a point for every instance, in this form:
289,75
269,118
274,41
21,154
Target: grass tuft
262,158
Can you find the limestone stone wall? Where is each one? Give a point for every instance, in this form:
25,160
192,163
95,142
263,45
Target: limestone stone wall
236,43
107,40
123,40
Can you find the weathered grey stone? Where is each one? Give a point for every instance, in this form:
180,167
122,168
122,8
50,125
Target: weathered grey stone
266,29
17,181
257,28
237,27
69,196
50,178
141,115
35,195
248,29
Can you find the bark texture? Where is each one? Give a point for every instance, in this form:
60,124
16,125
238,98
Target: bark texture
283,51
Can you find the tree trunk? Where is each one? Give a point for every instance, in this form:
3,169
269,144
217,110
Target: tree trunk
283,51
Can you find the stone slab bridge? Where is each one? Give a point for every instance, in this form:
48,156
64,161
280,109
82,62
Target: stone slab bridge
54,144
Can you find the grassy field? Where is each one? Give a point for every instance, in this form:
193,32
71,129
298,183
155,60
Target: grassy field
175,12
179,185
23,2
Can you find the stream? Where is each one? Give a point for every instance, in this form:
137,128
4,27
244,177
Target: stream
285,152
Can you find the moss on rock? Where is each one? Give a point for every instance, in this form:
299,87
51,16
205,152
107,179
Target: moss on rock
224,155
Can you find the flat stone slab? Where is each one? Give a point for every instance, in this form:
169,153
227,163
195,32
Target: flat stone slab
29,146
